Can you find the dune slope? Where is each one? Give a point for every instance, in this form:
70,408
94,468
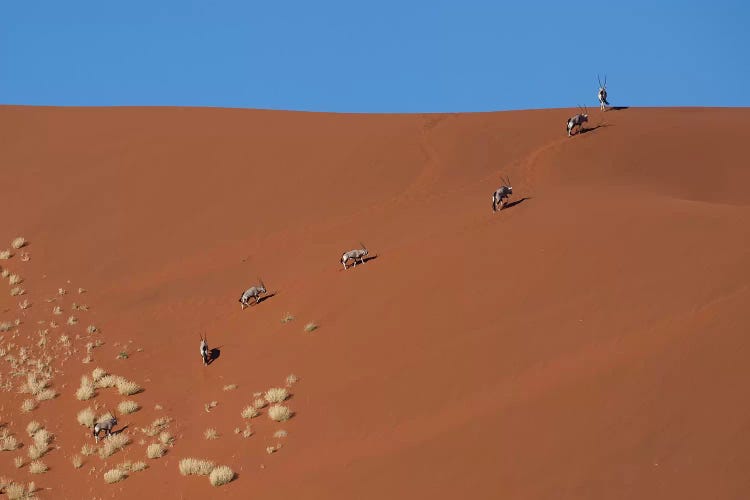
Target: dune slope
589,341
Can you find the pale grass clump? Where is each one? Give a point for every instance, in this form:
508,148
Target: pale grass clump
156,426
36,451
259,403
249,412
221,475
28,405
276,395
46,395
24,305
288,317
19,242
311,327
33,427
113,444
18,462
211,433
166,438
72,320
128,406
195,466
210,406
17,290
230,387
106,381
77,461
86,417
5,255
126,387
98,373
138,466
114,475
280,434
38,467
88,450
104,417
34,384
279,413
42,438
14,280
291,380
86,390
15,491
247,432
91,329
57,310
8,443
156,450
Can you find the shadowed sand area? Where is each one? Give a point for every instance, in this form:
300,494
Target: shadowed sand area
589,342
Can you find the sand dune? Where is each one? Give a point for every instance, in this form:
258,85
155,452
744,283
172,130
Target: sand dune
587,342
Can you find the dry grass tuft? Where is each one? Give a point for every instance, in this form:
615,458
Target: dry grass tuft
14,279
24,305
280,434
98,373
166,438
19,242
72,320
126,387
28,405
276,395
17,290
156,450
249,412
221,475
88,450
311,327
195,466
42,438
57,310
279,413
230,387
211,433
259,403
138,466
86,417
210,406
18,462
91,329
77,461
33,427
38,467
291,380
15,491
113,444
46,395
247,432
86,390
106,382
5,255
114,475
128,406
36,451
287,318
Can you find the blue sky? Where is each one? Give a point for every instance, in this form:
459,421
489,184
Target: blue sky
382,56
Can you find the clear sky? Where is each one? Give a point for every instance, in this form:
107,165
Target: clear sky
375,56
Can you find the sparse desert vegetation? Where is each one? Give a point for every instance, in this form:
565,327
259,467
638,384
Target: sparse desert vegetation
32,427
211,433
156,450
114,475
249,412
126,387
88,450
77,461
221,475
260,403
113,444
86,417
287,318
28,405
14,279
18,462
127,406
279,413
19,242
276,395
5,255
195,466
38,467
16,491
291,379
311,327
230,387
17,290
86,389
166,438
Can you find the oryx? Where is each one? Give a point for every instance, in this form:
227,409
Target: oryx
602,94
356,255
578,120
499,196
254,292
106,426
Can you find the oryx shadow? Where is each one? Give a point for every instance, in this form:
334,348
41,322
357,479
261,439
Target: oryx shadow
118,431
516,202
617,108
213,355
591,129
264,298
